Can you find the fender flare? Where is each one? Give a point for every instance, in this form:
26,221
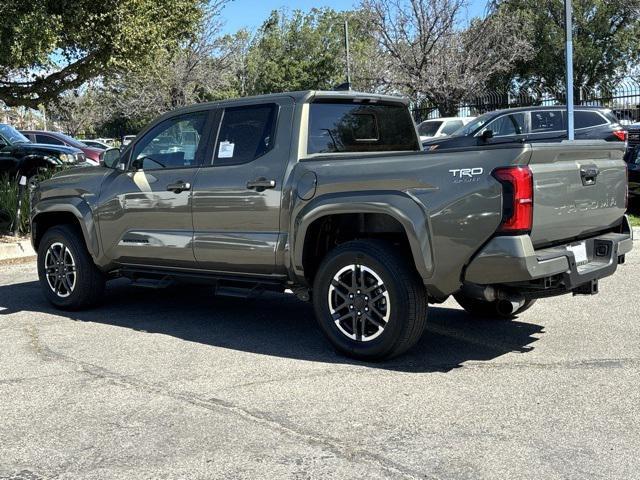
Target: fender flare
400,206
76,206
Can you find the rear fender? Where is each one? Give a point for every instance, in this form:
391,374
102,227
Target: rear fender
400,206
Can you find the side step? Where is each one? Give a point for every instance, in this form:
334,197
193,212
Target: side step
224,285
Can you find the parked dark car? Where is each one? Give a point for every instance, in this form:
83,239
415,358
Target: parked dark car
533,124
633,162
18,155
57,138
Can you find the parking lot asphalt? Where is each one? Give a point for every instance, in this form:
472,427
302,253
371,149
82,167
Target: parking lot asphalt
178,383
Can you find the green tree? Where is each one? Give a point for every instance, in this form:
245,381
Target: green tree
49,46
305,50
605,41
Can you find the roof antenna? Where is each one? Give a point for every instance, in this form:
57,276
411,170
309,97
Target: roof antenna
347,85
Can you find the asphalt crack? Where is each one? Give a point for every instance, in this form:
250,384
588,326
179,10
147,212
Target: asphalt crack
340,450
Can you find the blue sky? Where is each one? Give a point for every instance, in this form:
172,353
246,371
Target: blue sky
251,13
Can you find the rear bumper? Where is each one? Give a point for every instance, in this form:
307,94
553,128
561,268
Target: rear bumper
514,261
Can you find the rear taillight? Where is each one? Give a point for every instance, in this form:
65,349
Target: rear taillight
620,135
517,204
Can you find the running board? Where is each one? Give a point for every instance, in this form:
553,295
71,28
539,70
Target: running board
225,285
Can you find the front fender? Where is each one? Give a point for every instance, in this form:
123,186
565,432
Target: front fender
80,210
400,206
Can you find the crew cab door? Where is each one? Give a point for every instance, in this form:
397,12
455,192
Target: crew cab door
144,213
236,198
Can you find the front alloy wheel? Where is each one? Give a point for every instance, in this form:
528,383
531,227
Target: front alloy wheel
60,268
69,278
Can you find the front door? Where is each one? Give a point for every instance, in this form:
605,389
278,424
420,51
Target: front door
236,199
144,213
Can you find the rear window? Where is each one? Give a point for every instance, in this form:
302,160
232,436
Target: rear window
353,127
429,128
585,119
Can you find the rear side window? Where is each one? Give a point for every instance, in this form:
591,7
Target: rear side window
246,133
451,126
429,129
585,119
354,127
47,139
547,121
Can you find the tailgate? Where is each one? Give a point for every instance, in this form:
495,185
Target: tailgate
579,188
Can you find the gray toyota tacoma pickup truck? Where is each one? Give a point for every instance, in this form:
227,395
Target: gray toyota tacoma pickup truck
329,195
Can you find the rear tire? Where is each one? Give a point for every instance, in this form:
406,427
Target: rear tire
369,301
489,310
69,278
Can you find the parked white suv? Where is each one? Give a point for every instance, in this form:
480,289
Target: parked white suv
441,127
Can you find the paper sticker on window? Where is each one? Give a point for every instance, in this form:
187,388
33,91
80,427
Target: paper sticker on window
226,149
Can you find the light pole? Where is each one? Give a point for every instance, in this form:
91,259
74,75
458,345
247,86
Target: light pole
568,22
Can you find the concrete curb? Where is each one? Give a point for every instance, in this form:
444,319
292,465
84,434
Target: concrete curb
20,249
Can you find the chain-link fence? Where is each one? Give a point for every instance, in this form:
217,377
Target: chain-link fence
623,100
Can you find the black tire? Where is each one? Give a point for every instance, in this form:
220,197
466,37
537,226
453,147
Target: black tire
404,306
489,310
87,286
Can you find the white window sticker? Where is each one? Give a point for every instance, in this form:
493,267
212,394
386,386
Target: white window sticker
226,149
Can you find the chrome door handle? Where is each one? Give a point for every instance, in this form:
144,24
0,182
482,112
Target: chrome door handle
261,184
178,187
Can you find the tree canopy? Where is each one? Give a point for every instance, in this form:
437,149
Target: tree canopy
49,46
605,41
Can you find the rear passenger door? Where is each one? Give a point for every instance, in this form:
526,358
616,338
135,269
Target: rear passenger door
237,196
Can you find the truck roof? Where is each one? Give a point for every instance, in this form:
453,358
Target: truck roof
302,96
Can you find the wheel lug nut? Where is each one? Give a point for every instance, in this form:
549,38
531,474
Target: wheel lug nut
359,313
358,292
351,307
351,295
366,309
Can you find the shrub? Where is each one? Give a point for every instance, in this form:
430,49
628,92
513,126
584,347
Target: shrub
9,205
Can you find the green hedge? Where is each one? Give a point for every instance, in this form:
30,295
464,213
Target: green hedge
9,205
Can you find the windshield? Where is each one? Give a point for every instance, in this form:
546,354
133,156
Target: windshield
429,128
473,126
11,135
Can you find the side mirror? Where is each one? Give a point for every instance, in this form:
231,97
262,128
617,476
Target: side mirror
486,134
110,158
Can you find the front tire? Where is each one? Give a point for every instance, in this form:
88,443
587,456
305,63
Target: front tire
68,277
369,301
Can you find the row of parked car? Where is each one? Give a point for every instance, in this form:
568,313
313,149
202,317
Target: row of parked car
535,124
30,152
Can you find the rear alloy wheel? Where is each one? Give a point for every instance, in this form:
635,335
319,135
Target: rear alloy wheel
69,278
359,303
368,300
